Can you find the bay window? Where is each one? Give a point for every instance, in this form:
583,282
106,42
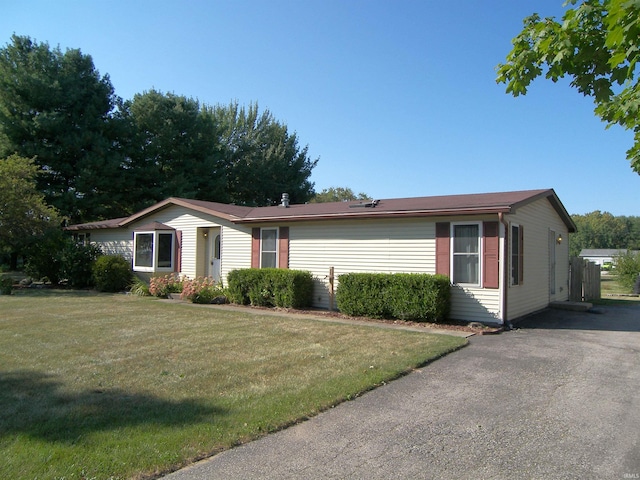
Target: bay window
154,251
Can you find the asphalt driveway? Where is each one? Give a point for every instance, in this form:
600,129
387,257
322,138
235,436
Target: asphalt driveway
557,398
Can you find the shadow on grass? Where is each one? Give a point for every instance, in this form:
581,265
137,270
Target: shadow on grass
56,292
35,404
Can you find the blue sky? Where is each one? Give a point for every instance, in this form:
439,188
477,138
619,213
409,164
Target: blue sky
397,98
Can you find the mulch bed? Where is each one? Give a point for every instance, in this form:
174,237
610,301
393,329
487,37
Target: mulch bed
468,327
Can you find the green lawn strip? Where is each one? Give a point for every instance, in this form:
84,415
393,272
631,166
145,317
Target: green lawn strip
115,386
612,293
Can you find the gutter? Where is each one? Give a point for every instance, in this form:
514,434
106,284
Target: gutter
505,272
373,215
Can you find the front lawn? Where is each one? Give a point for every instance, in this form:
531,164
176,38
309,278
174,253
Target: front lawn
118,386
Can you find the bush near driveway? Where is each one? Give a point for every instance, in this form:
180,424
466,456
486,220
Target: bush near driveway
121,386
628,269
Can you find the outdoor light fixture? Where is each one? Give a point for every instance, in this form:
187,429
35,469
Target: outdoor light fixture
205,233
559,239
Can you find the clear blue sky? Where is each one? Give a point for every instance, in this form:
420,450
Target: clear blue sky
397,98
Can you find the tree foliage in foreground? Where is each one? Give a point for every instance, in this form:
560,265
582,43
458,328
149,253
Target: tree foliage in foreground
24,215
597,45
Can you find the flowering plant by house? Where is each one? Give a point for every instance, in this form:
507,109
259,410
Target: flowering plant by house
202,290
163,286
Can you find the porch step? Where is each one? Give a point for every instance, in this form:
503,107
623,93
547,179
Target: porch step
573,306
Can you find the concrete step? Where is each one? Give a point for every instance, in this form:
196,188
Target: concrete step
573,306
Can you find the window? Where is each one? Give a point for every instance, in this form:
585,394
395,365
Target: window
466,253
165,250
153,251
516,255
82,238
269,248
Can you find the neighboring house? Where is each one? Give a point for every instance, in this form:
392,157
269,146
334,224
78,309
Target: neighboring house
506,253
602,256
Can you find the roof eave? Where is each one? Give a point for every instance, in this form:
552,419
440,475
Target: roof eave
176,201
385,214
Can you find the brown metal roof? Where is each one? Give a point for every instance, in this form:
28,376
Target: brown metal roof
112,223
466,204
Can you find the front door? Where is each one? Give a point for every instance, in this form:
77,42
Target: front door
215,261
212,254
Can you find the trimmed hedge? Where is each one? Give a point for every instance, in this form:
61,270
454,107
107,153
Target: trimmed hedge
406,296
270,287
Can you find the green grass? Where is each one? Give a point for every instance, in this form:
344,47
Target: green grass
114,386
613,293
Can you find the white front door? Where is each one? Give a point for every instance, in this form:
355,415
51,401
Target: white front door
215,260
212,254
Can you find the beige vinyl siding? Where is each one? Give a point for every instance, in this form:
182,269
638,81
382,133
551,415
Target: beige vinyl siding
191,223
114,241
474,304
235,250
537,219
363,246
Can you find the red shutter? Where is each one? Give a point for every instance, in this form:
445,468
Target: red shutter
283,247
443,246
255,248
178,259
491,255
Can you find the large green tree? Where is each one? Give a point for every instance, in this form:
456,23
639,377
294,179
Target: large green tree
262,159
173,150
597,45
24,214
55,107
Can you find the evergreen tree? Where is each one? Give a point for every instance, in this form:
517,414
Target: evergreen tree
55,107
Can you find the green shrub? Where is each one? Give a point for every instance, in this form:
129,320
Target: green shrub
112,273
270,287
6,285
627,269
44,255
405,296
56,256
76,264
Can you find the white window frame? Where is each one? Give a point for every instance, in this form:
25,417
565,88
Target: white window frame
454,254
263,251
154,251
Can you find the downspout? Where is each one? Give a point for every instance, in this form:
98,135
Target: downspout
505,272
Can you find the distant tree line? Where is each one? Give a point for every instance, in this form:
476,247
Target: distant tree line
604,230
99,156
